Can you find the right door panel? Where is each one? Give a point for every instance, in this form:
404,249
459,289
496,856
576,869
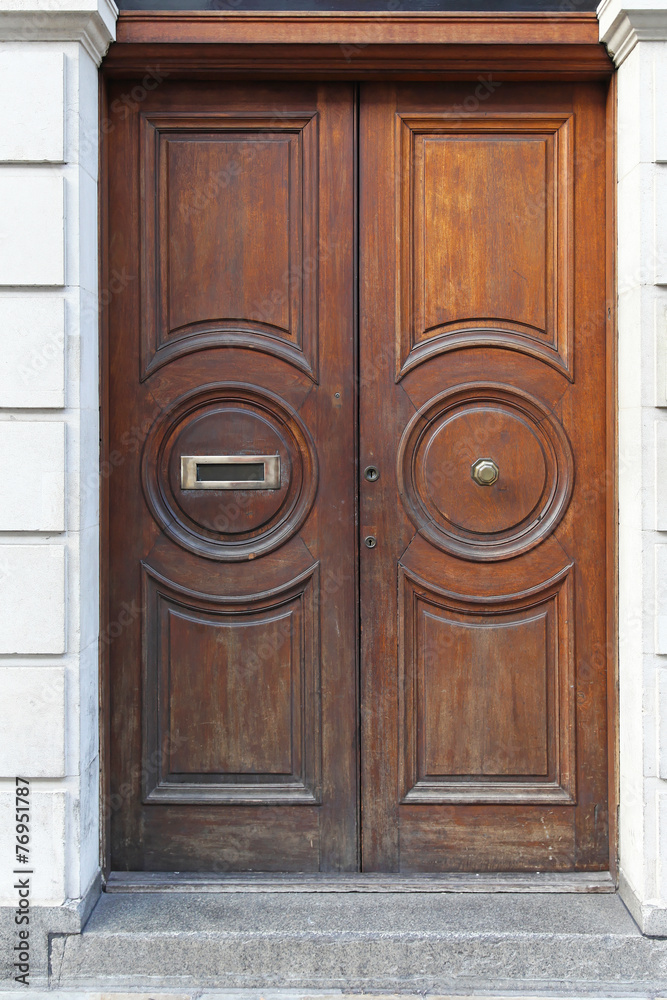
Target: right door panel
482,405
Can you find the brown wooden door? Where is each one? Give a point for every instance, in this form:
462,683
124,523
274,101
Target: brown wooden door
482,405
245,501
232,617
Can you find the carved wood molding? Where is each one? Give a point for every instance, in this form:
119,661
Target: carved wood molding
287,624
420,45
334,27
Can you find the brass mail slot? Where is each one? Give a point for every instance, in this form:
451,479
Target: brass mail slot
230,472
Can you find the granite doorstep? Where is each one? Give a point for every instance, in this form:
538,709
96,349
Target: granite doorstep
381,942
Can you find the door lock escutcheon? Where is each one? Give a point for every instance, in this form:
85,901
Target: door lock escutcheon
372,473
484,471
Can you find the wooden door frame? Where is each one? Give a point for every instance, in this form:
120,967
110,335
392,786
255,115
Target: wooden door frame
557,47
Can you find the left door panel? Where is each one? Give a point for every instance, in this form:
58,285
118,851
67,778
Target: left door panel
230,478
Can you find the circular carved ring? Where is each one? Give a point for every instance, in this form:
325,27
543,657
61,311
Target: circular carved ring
519,437
229,418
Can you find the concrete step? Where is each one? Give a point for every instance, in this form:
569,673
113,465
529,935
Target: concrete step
215,994
416,942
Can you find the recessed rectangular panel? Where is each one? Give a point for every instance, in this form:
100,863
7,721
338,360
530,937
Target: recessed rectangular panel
231,839
484,696
231,706
229,235
446,838
228,197
486,699
484,228
231,686
485,207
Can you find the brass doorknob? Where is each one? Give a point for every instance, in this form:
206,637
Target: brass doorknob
484,471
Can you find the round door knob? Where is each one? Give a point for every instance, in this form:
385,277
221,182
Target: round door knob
484,471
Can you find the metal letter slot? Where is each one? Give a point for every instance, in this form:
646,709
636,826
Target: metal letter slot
230,472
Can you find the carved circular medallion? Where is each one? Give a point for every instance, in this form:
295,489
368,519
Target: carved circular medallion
459,509
230,420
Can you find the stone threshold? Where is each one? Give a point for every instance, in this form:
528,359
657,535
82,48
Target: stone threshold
542,944
214,994
76,994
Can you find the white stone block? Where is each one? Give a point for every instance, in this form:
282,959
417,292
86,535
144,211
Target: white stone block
32,485
661,598
32,598
32,351
630,318
32,241
89,813
88,240
662,723
86,500
48,840
631,604
32,106
88,709
85,630
32,721
661,852
633,129
661,224
85,373
86,152
659,117
636,261
631,485
660,328
661,475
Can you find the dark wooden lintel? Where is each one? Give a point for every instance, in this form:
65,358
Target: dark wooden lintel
333,45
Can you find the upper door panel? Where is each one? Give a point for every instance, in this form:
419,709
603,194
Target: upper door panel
484,257
241,191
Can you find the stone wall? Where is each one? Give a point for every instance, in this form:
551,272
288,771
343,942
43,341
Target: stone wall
637,40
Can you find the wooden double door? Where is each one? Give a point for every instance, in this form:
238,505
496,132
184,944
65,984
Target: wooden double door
357,486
